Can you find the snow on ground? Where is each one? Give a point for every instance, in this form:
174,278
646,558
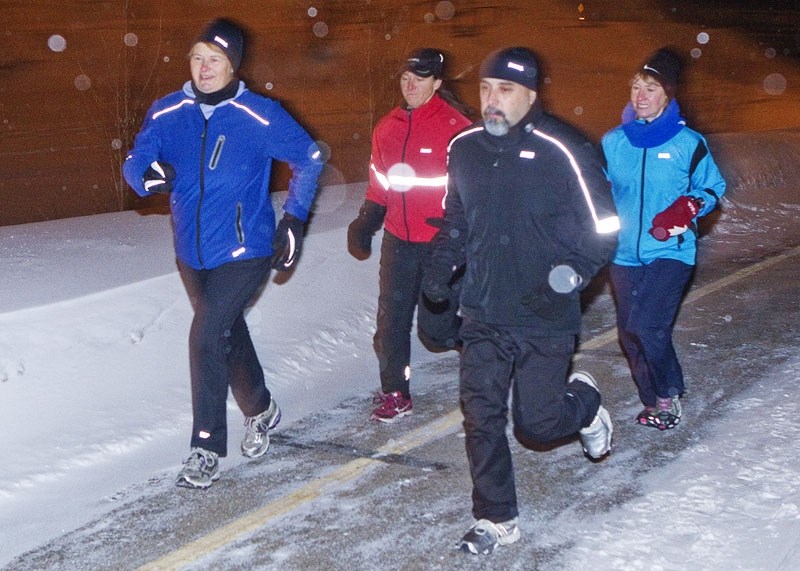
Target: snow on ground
94,392
728,502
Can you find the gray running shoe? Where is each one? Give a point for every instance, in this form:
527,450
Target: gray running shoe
255,442
200,469
484,536
595,438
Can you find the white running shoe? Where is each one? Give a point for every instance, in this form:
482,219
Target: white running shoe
255,442
595,438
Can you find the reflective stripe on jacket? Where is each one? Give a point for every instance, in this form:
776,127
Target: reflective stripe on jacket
221,206
408,166
518,205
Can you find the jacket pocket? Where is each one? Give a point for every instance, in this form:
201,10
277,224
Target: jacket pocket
239,225
217,152
547,304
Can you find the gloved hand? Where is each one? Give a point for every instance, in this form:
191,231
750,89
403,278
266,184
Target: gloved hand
675,219
435,222
158,177
286,243
564,279
363,228
436,283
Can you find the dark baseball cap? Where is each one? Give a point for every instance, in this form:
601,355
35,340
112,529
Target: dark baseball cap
425,62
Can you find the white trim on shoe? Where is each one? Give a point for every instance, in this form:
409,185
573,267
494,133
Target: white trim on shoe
595,438
484,536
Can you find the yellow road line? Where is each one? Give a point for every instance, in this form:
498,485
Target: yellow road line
424,434
256,519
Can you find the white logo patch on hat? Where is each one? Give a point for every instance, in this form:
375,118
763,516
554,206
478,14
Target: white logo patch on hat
516,66
220,41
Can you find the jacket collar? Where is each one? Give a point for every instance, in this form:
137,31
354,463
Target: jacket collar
432,107
519,131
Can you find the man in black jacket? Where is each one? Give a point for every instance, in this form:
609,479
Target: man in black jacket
529,213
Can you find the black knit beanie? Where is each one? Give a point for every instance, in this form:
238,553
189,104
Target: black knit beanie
665,67
513,64
228,37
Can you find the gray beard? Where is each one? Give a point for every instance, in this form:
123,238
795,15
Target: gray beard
496,127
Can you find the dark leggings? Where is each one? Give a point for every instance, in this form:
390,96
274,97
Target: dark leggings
221,353
648,298
401,268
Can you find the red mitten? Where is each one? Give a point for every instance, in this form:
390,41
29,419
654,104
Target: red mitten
675,219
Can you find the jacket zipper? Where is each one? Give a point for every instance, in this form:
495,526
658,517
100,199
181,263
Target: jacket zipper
202,191
239,225
403,159
641,210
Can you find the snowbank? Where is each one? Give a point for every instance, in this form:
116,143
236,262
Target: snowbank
760,168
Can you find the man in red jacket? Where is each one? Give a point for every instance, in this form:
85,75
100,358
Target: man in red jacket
407,177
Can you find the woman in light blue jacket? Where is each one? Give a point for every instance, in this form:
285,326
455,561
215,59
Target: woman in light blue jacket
663,178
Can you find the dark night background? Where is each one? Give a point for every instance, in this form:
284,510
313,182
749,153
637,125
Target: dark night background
68,115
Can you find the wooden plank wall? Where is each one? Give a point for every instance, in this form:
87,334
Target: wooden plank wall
76,76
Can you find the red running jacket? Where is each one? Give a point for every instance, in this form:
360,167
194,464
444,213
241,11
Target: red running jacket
408,166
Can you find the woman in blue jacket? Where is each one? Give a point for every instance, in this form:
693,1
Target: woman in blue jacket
211,145
663,178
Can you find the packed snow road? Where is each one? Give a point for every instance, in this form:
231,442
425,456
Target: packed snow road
337,492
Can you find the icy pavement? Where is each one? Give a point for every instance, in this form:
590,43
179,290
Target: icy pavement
338,492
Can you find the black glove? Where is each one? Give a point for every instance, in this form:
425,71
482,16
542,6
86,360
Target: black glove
436,283
435,222
286,243
363,228
158,178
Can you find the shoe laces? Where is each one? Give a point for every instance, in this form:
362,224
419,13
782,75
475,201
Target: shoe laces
669,405
260,422
199,458
393,400
256,424
484,526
